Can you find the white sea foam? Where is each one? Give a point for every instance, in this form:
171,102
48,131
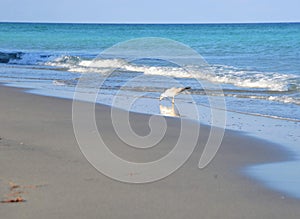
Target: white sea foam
239,78
278,98
63,61
285,99
167,71
248,79
103,63
221,75
216,73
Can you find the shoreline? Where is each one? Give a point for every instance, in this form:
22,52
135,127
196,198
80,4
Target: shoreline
38,147
283,132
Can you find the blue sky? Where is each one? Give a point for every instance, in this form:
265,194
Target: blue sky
150,11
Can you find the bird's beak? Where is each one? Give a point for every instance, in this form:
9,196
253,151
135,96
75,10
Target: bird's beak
160,98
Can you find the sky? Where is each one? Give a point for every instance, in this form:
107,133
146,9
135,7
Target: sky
150,11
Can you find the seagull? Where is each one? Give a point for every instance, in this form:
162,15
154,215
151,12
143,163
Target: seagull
172,92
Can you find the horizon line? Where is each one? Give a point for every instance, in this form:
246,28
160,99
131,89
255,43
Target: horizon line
53,22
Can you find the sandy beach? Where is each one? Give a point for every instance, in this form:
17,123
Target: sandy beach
41,162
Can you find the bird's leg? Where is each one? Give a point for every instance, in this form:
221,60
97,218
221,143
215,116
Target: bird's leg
173,100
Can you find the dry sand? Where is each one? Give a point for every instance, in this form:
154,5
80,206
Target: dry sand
41,162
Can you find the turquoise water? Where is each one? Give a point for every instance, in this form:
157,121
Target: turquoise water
257,66
259,62
264,47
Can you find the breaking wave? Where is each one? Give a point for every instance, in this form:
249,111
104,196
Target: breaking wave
242,78
221,74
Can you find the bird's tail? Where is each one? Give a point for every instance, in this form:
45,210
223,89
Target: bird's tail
187,88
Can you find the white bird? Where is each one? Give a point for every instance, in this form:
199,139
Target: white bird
172,92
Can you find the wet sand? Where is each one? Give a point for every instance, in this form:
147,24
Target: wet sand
40,161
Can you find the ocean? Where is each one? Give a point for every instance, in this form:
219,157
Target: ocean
256,66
